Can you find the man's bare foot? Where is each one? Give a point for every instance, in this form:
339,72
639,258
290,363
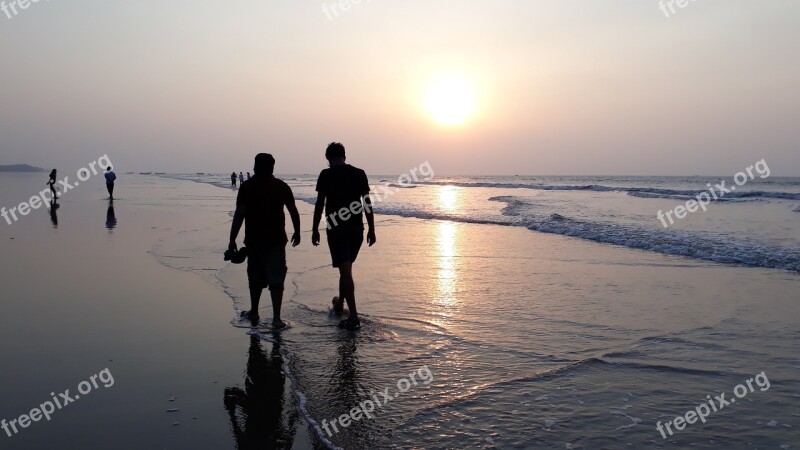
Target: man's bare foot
278,324
250,315
338,305
351,324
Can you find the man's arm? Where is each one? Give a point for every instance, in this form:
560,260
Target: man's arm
371,238
367,202
319,207
292,207
236,226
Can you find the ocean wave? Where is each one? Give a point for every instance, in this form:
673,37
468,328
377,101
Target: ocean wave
698,246
722,250
575,368
673,195
539,187
411,213
643,192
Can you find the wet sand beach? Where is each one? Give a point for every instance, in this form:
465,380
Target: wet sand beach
81,298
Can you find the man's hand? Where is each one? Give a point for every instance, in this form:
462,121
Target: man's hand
315,237
296,239
371,239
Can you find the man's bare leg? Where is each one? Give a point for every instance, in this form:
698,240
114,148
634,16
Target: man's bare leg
347,289
255,299
277,301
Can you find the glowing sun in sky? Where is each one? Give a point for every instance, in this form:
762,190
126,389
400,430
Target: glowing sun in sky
450,99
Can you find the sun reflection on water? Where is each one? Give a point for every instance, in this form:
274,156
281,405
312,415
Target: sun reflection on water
448,198
447,278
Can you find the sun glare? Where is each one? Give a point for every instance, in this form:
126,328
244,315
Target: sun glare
450,99
448,198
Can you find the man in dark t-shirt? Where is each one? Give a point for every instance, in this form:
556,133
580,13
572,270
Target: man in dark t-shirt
343,193
110,178
259,206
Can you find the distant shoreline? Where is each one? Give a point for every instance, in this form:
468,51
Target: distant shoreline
20,168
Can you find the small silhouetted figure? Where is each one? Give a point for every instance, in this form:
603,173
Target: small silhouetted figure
248,175
241,178
52,183
342,187
110,178
233,179
111,217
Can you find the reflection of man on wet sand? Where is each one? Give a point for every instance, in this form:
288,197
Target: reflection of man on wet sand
111,216
53,212
257,411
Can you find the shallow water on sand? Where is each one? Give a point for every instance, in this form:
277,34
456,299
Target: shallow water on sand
532,340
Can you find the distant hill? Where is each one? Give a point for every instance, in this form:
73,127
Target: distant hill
20,168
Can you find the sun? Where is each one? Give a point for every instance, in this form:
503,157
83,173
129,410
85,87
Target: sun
450,99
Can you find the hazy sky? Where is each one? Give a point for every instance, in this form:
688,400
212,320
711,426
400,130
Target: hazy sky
560,87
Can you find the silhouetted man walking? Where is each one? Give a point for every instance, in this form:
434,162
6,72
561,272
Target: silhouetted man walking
343,192
260,207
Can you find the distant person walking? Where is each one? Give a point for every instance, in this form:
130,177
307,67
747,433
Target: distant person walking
248,175
241,177
110,178
344,188
233,179
52,183
259,207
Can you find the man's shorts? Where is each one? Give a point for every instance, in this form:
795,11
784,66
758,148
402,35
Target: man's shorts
266,268
344,243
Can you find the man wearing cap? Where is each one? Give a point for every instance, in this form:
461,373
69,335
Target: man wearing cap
343,192
259,206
